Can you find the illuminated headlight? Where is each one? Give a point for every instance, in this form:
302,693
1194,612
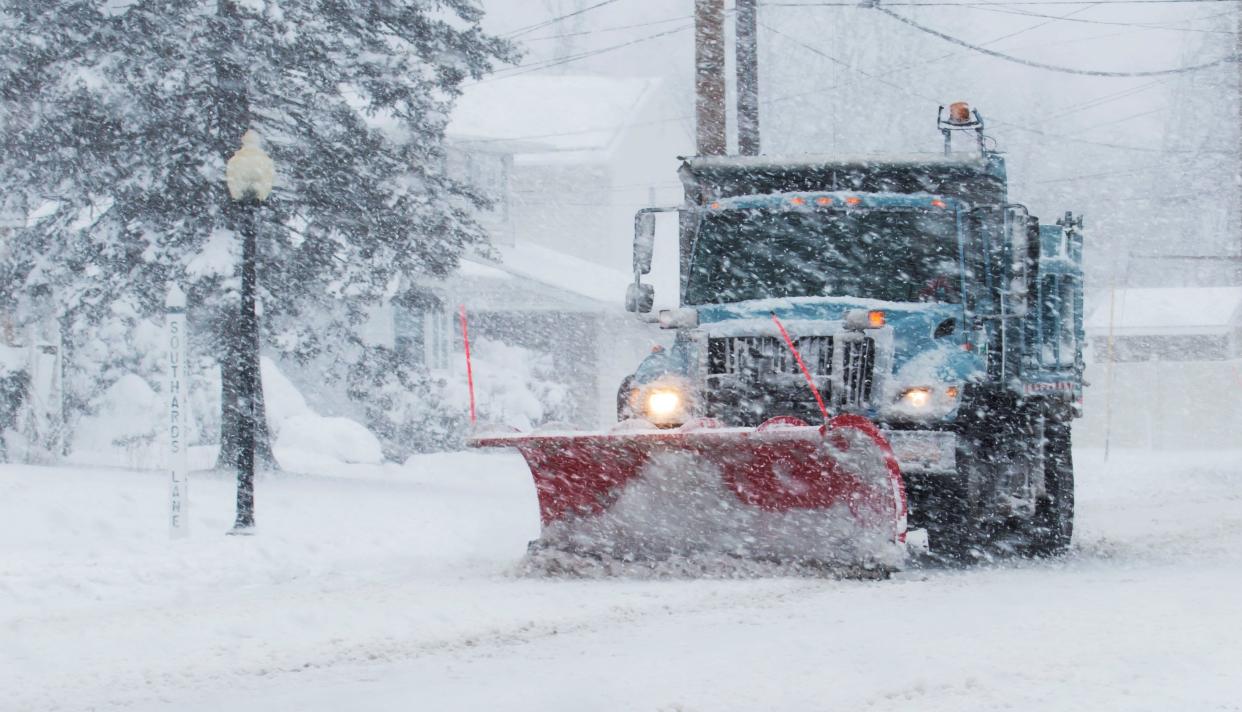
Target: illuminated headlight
926,401
663,403
919,398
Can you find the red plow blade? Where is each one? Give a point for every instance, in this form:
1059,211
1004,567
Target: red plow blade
783,492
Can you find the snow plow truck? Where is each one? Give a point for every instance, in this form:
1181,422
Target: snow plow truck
869,352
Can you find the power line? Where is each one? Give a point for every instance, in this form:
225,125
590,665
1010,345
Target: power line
1149,112
1055,18
1052,67
909,92
540,25
948,55
1090,104
1088,21
1102,144
615,28
536,66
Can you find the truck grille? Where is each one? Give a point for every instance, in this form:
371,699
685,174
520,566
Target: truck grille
763,355
857,371
752,357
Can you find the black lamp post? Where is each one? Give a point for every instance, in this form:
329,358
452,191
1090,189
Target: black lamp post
249,174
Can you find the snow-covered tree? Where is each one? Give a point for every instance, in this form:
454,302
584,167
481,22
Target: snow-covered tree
118,117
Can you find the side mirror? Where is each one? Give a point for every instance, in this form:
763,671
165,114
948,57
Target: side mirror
639,298
644,241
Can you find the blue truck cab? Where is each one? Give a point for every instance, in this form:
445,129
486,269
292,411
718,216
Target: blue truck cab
915,293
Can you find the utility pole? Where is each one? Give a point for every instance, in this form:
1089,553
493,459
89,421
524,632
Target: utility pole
747,59
1237,178
709,77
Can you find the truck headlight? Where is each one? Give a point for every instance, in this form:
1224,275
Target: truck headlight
925,401
663,404
666,402
918,398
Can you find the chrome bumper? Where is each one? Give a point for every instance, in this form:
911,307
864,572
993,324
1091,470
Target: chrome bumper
924,451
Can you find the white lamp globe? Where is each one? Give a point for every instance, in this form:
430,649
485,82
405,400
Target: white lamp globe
250,172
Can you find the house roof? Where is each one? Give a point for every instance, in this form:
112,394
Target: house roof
550,118
1168,311
529,275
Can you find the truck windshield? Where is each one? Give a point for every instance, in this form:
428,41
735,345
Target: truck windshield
895,255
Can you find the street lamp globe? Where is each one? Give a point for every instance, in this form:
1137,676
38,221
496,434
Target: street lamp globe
250,172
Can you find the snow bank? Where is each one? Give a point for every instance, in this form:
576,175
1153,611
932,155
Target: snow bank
124,432
337,439
282,399
301,437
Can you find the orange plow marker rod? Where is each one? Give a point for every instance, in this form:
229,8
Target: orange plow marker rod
798,357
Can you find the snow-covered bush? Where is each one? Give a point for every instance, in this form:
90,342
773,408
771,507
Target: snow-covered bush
514,386
404,405
412,410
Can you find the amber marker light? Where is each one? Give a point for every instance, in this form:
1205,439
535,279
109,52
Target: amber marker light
797,200
937,203
853,200
822,200
875,318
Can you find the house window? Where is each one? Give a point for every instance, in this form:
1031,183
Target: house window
408,336
438,336
425,337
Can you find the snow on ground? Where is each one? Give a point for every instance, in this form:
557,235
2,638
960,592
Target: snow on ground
386,587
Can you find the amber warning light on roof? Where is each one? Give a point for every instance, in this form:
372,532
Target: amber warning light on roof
959,113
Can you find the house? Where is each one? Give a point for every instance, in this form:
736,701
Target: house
1168,324
543,325
566,162
570,158
1172,375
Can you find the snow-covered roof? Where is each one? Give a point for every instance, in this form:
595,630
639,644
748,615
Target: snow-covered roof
567,118
1168,311
574,282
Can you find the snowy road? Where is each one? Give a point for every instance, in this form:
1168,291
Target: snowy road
389,589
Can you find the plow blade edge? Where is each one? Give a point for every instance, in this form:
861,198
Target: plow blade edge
785,491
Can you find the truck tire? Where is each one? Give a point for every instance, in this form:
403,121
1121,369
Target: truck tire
1052,526
945,511
948,507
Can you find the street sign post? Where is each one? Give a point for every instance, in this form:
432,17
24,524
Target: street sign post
175,413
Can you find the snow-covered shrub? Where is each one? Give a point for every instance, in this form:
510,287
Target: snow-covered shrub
404,405
514,386
14,381
413,410
124,425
